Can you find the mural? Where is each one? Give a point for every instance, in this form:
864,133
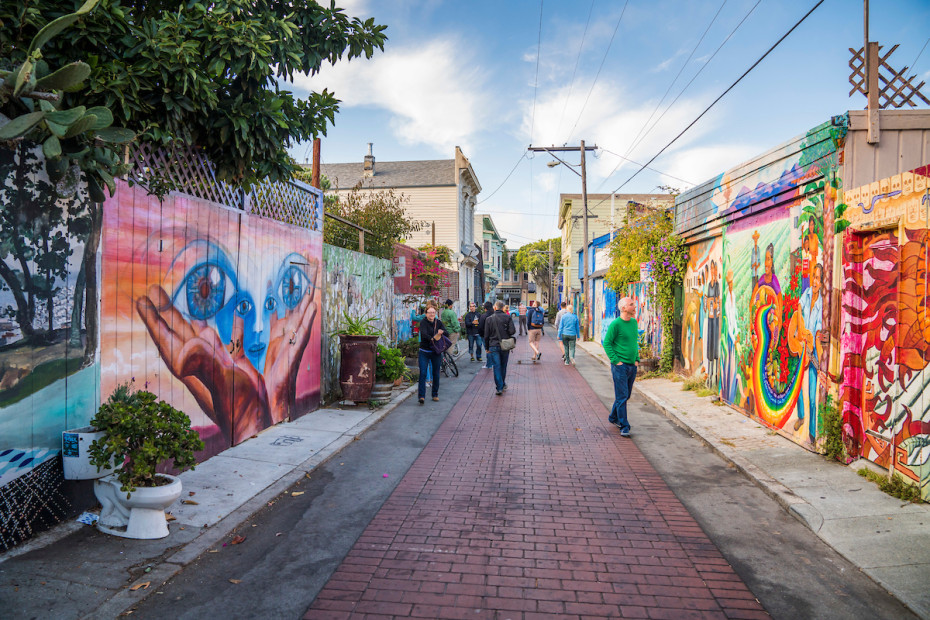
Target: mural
757,291
360,285
212,309
885,350
49,235
607,308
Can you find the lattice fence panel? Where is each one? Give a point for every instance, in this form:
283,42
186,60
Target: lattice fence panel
184,170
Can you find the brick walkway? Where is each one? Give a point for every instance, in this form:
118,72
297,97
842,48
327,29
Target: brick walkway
530,505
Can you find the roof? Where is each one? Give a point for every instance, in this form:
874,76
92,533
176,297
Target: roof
428,173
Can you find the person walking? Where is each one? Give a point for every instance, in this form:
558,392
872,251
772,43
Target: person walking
535,318
522,312
621,343
569,331
431,329
497,327
488,312
558,319
475,340
451,321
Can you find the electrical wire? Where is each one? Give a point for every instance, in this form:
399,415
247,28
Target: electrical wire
665,174
597,75
695,76
680,71
571,84
512,170
715,101
914,64
536,79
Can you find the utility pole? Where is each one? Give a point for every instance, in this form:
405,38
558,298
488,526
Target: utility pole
552,150
550,272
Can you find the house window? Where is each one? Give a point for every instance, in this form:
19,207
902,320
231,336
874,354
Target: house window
487,248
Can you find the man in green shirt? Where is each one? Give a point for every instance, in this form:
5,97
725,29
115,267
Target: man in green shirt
621,343
451,321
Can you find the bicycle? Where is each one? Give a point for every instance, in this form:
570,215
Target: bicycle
448,365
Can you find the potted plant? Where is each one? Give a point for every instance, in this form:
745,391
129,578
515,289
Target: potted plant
140,432
389,368
358,337
647,362
410,350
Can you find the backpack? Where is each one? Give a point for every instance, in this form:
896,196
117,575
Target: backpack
537,317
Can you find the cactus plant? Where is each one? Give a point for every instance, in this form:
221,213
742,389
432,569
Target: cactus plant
33,95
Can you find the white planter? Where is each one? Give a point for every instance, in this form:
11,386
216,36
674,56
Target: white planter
75,454
142,516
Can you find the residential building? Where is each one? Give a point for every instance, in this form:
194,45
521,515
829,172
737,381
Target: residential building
606,213
441,193
492,251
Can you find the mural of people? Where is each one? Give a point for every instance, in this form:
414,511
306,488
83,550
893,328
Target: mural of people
730,379
712,334
804,334
755,262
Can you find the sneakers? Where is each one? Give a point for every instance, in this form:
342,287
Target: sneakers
499,392
625,433
566,363
473,358
422,400
572,360
505,387
436,398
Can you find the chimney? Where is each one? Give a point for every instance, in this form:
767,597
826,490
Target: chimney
369,168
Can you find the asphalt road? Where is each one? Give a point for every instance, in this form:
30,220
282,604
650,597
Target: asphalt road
293,545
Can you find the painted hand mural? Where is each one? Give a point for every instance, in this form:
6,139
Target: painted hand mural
229,308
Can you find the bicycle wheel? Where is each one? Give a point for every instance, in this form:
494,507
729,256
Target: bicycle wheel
450,362
444,366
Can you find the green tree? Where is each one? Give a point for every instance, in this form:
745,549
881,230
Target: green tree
207,74
534,258
633,245
379,211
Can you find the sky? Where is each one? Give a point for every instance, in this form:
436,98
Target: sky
496,77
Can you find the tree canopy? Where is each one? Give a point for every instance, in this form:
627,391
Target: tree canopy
534,258
206,74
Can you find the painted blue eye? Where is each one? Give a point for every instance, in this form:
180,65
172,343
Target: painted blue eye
270,304
293,286
206,291
244,307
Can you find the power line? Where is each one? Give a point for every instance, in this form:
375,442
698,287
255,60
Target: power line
607,51
665,174
695,76
714,102
680,71
914,64
522,156
536,79
571,85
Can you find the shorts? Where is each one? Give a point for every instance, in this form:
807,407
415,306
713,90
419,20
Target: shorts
453,337
534,335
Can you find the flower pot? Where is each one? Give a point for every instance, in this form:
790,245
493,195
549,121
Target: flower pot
382,390
75,454
357,367
141,516
649,364
399,382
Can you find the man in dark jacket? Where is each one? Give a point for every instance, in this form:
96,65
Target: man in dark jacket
496,327
475,339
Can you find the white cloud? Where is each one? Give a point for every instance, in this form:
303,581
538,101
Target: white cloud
547,181
434,92
700,163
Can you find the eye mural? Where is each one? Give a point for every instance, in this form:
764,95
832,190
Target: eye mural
222,320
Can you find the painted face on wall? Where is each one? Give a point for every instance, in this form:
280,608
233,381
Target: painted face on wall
769,260
203,286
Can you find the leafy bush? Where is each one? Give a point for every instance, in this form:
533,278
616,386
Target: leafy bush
896,487
833,445
389,365
410,346
140,432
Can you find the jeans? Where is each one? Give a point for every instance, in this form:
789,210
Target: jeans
428,360
522,324
623,375
569,343
475,345
811,400
498,360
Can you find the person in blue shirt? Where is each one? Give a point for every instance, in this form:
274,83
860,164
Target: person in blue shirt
569,332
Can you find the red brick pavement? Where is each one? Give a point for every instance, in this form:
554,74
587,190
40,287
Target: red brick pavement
530,505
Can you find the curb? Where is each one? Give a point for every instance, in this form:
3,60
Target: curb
172,564
797,507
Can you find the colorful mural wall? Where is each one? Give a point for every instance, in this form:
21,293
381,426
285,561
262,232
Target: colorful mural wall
49,235
756,300
884,342
214,310
361,285
607,307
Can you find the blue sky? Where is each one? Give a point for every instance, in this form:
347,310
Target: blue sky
465,73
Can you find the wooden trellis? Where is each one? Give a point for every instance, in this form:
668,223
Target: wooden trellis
183,169
895,88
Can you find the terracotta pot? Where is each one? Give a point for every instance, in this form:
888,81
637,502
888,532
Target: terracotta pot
399,382
357,367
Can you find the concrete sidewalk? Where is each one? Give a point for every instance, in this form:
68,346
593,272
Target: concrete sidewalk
74,571
889,540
